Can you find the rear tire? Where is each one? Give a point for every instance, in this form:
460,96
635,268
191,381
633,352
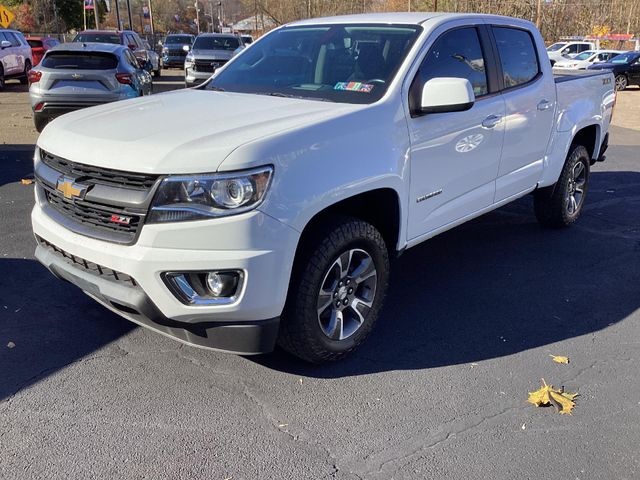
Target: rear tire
348,265
1,78
24,79
560,205
621,82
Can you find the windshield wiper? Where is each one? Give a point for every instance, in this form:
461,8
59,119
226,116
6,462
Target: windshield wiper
215,89
288,95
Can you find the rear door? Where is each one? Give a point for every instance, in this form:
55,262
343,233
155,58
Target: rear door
18,52
529,96
454,155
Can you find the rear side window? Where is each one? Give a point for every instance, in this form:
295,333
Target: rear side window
80,61
456,53
517,55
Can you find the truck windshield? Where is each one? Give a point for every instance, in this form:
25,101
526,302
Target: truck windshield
555,47
340,63
178,39
97,38
216,43
584,55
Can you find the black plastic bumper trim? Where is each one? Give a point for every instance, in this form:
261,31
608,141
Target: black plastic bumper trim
132,303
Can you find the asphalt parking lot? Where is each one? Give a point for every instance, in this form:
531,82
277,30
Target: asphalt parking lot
438,391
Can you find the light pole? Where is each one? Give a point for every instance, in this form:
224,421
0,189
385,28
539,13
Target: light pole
197,17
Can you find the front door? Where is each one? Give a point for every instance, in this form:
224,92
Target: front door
454,156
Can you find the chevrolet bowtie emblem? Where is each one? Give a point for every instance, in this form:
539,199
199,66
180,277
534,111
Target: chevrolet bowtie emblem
70,189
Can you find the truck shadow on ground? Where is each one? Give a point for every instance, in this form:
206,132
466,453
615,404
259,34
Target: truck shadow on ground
494,287
501,285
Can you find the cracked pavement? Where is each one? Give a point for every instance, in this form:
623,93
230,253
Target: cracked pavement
438,391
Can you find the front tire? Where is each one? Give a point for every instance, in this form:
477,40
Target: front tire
560,205
336,292
621,82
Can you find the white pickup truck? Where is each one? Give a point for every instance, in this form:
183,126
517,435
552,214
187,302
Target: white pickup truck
263,206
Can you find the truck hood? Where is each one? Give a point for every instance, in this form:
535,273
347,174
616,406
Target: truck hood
189,131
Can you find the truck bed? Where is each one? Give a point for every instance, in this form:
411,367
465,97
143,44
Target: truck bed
566,75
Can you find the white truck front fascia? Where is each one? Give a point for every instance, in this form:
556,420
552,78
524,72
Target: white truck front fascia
259,245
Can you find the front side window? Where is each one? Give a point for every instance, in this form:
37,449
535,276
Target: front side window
458,54
517,55
350,63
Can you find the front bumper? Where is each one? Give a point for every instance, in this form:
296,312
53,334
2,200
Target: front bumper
173,60
193,77
132,303
260,246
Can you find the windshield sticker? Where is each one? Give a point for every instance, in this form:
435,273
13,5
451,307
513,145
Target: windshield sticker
354,87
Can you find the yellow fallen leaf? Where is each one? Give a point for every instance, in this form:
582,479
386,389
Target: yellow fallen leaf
559,359
26,181
547,395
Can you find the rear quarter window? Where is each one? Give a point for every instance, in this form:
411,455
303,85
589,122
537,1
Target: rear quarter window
80,61
518,56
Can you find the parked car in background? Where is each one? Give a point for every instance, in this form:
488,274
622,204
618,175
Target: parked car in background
264,206
39,45
128,38
625,67
15,57
210,51
562,50
586,58
175,48
72,76
155,59
247,39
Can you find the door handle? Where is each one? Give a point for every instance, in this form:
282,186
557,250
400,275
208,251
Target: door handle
544,105
491,121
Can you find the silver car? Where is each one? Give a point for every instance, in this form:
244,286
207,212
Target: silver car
210,51
15,57
78,75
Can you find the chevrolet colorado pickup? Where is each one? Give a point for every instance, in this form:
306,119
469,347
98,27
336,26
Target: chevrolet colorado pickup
263,206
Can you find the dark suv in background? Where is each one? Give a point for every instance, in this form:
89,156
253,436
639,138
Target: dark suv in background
128,38
175,48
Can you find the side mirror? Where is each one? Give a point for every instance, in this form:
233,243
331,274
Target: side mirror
446,94
186,48
5,44
565,51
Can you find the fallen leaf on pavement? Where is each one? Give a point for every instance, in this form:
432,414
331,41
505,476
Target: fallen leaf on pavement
559,359
26,181
11,345
547,395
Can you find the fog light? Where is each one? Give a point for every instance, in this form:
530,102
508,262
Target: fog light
205,288
222,284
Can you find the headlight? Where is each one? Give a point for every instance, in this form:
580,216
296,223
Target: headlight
165,50
188,60
197,197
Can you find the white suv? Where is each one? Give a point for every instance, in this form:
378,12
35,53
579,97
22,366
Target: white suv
15,57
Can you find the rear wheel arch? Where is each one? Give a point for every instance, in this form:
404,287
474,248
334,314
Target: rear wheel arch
588,137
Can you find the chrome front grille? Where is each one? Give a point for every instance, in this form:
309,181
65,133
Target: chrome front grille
208,66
